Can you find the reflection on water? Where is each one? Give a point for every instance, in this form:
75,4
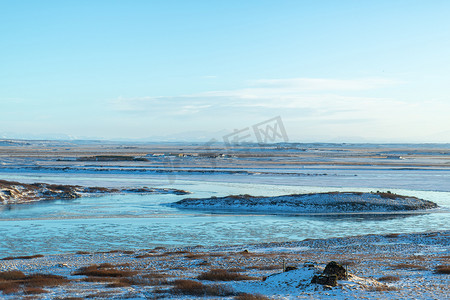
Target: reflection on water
364,217
141,221
353,217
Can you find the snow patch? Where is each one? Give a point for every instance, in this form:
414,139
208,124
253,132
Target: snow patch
333,202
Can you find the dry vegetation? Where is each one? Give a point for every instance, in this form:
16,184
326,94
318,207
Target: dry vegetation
16,281
172,273
224,275
264,267
389,278
383,288
389,195
195,288
408,266
22,257
245,296
104,270
392,235
442,269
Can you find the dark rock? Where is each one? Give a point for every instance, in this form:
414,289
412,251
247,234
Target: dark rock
333,268
137,190
330,280
69,195
332,272
180,192
290,268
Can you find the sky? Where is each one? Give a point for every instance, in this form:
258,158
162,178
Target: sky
333,71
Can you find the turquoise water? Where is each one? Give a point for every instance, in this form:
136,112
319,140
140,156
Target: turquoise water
129,221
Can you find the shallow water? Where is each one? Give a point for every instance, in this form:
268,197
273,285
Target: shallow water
128,221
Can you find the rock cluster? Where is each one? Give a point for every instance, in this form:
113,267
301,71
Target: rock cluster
330,275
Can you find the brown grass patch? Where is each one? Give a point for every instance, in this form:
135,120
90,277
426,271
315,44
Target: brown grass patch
383,288
9,287
197,255
33,291
121,282
247,253
204,263
98,279
118,251
389,278
266,267
245,296
347,263
224,275
15,281
22,257
145,255
103,270
389,195
408,266
236,270
392,235
195,288
41,280
442,269
151,279
156,279
416,257
12,275
177,252
159,293
112,251
155,275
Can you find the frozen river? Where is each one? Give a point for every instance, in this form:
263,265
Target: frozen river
130,221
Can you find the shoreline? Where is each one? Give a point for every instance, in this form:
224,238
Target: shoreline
13,192
392,266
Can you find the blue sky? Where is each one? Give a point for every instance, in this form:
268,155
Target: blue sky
338,71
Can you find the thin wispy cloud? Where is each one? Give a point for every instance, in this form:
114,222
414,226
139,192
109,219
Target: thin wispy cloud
174,105
325,84
266,93
358,107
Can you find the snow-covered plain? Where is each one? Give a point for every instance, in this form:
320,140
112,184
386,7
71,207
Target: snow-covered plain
396,266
